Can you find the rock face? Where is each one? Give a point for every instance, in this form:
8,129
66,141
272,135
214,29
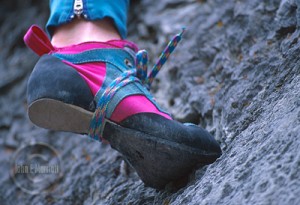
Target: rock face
236,73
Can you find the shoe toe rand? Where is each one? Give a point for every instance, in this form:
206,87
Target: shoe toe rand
171,130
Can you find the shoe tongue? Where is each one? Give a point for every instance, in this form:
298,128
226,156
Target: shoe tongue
77,48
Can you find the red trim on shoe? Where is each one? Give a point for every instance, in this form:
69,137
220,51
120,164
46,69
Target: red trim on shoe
36,39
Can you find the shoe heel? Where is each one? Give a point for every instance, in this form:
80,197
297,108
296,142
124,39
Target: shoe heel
58,98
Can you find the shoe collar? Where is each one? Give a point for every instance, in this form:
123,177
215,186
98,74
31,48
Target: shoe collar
38,41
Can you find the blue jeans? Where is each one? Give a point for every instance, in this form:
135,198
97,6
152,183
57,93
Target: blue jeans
63,11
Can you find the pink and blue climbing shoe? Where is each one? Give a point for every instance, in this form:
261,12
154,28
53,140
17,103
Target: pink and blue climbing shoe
103,89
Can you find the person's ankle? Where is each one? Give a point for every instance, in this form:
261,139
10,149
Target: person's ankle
80,31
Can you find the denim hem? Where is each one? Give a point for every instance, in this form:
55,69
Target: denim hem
61,12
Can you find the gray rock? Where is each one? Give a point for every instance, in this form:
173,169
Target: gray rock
236,73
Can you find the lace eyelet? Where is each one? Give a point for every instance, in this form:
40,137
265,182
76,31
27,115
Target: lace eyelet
128,63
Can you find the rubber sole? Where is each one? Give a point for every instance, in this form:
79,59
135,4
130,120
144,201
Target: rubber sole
59,116
157,161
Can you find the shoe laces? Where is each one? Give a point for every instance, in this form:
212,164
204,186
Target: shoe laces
137,74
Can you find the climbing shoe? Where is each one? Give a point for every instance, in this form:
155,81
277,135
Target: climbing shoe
102,89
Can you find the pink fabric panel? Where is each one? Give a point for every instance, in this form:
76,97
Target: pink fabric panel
94,45
133,105
92,73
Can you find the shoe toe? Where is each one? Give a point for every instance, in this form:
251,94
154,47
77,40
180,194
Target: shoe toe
161,150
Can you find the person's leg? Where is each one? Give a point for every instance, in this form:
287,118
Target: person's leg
97,21
88,83
80,31
74,22
95,14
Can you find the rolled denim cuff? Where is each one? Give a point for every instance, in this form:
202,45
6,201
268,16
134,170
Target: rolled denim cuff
62,12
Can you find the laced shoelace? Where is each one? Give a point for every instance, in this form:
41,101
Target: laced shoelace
137,74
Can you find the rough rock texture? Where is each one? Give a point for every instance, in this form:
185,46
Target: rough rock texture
236,73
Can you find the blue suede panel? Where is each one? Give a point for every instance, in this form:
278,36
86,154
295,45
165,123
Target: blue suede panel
115,66
110,55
